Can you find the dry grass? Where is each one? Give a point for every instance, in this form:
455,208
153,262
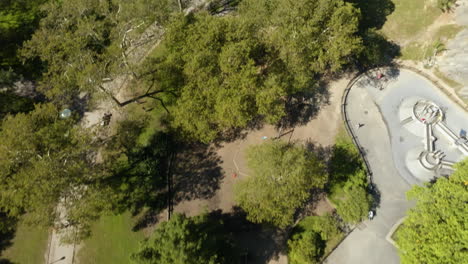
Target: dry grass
411,17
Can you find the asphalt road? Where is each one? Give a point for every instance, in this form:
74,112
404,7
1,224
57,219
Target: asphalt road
377,110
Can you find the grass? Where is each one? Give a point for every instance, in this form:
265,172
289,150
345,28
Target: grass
28,246
395,233
112,241
447,32
416,51
409,18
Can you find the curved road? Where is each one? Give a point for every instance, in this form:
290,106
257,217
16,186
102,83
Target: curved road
382,141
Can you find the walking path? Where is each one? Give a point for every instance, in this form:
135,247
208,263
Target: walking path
384,143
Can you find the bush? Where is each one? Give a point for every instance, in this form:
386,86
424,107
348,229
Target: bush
353,205
310,238
445,5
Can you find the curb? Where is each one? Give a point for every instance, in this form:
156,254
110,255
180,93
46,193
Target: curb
388,237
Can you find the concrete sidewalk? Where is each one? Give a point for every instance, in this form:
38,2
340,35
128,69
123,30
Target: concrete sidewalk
368,244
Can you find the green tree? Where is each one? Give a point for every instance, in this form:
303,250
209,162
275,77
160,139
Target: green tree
282,178
353,204
305,248
310,37
241,67
84,41
42,159
18,20
310,237
436,228
348,182
223,87
187,240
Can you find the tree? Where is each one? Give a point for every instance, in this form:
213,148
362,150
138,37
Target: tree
42,159
348,182
187,240
309,238
282,178
311,38
222,86
84,41
435,230
18,20
241,67
305,248
353,204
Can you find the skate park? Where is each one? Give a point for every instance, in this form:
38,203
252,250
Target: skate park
410,133
440,146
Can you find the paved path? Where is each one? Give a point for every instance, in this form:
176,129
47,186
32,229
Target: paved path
377,110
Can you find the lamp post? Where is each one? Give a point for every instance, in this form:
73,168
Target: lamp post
66,113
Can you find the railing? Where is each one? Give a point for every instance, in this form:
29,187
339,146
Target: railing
348,127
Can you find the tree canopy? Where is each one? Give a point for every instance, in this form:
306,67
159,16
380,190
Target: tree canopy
348,185
309,238
18,20
282,178
187,240
42,159
82,42
240,67
436,228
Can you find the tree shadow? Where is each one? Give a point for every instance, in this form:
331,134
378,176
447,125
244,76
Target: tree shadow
379,78
234,134
7,233
138,174
304,106
374,12
322,153
196,172
6,240
378,50
257,243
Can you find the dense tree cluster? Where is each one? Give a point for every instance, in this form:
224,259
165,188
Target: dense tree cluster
82,42
237,68
18,20
212,74
435,230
